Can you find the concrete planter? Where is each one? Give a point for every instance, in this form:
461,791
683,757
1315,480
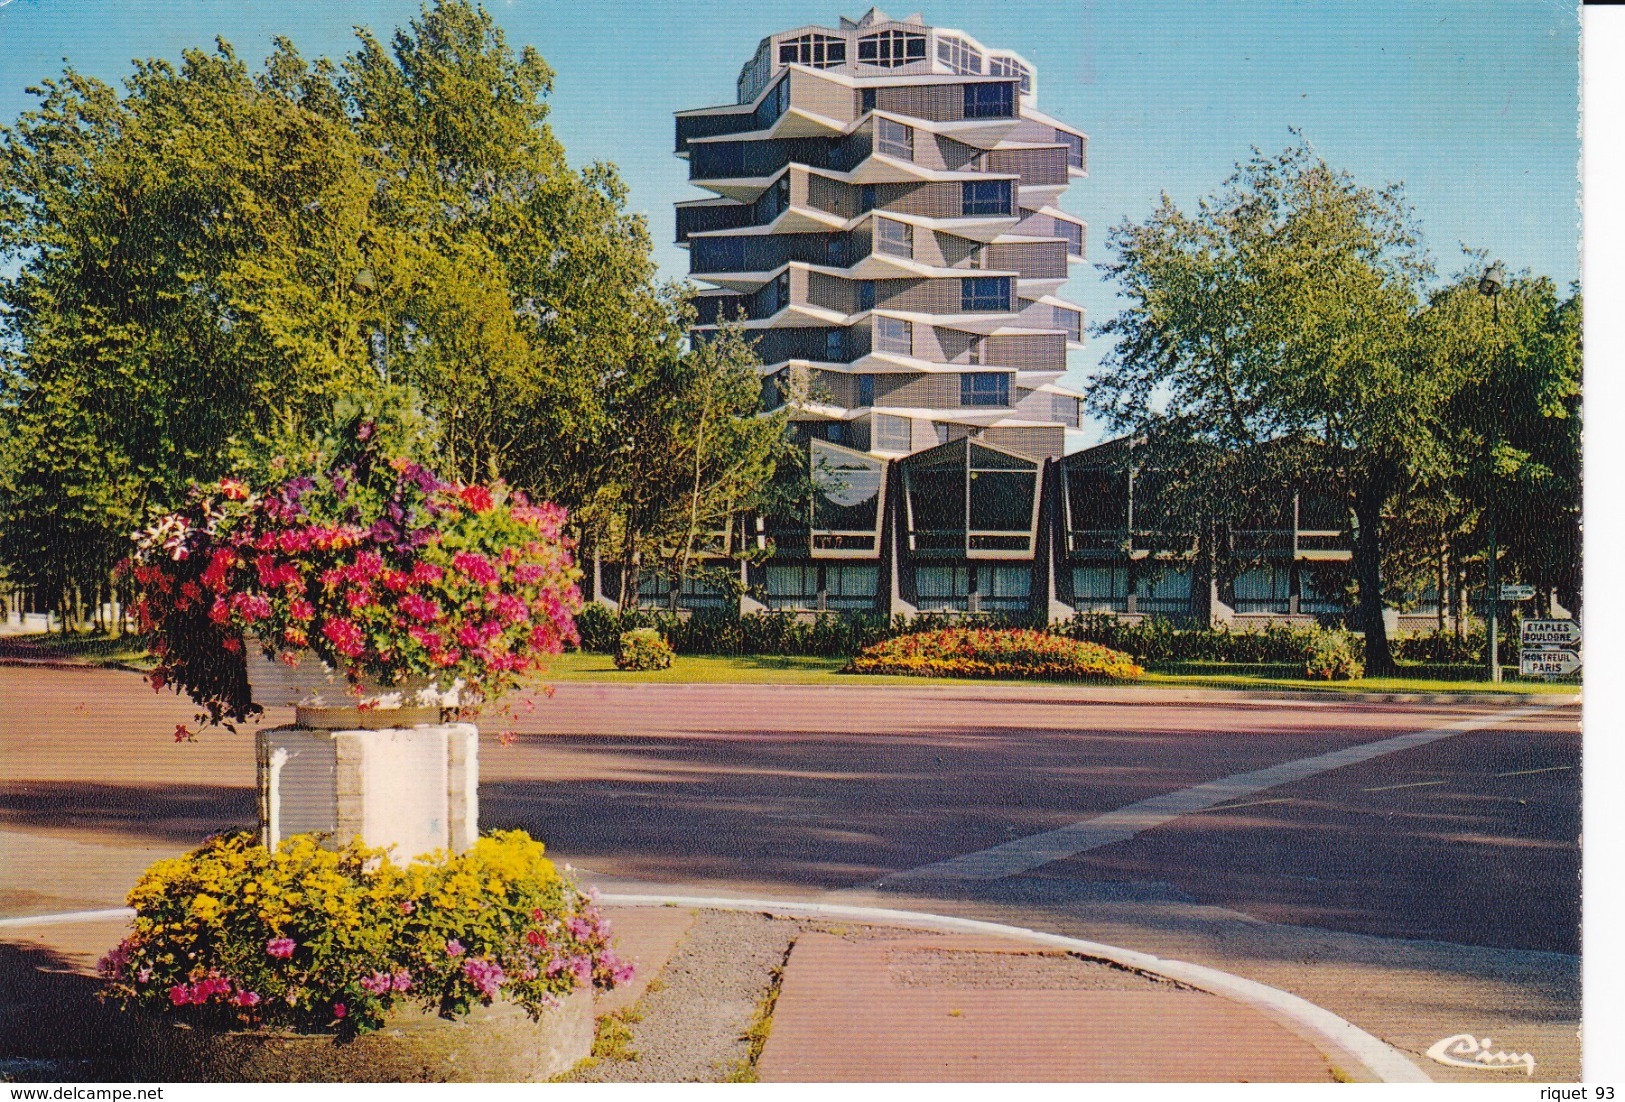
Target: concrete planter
496,1044
320,692
409,789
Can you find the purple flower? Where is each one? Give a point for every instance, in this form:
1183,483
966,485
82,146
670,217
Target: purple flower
454,948
379,983
485,975
582,967
280,947
402,980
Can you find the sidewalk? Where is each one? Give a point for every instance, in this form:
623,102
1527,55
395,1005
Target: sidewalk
837,1001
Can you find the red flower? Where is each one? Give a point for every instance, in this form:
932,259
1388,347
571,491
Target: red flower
477,498
183,735
233,490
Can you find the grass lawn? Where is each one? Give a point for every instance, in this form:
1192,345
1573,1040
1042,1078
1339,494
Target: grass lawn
765,670
774,670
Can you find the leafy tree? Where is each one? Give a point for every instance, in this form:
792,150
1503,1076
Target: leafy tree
1282,312
1512,425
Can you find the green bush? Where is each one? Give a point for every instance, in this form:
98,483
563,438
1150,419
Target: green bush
1007,652
643,649
1441,646
1334,656
1154,639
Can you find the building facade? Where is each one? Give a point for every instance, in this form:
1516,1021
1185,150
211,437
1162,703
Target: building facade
885,228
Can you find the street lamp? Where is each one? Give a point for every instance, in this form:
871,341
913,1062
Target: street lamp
1490,284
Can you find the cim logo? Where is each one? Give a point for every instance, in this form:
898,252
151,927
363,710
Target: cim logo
1466,1051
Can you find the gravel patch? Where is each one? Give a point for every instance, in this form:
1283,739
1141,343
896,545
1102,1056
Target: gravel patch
693,1028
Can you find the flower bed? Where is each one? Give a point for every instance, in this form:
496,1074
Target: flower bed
1013,653
232,936
383,570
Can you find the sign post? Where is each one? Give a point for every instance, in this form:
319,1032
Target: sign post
1549,648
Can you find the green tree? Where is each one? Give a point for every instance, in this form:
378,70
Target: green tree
1512,425
1282,312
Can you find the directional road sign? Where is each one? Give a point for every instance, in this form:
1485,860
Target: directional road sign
1517,593
1551,633
1548,663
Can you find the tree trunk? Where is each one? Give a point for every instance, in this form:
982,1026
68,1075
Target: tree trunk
1379,659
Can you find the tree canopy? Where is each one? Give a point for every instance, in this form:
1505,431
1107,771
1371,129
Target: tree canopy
208,261
1284,333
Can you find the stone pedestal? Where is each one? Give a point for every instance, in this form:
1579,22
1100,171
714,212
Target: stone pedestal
411,790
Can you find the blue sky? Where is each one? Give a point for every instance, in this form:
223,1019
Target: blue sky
1473,106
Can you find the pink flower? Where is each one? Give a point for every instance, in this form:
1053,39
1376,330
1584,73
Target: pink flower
582,967
426,573
379,983
301,609
402,980
280,947
454,948
246,998
346,636
180,994
485,975
407,906
420,608
339,1010
476,567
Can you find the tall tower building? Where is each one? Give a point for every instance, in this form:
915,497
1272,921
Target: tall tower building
887,226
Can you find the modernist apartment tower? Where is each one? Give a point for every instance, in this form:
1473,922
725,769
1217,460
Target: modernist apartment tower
886,229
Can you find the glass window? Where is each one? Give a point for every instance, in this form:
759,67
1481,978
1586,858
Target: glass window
780,298
835,345
960,56
889,49
835,250
866,198
1002,501
980,197
776,104
781,195
940,586
792,586
1074,148
851,580
1262,589
1072,232
894,139
894,335
820,51
1004,581
1010,67
989,101
867,99
753,76
719,254
1071,321
866,295
1166,591
985,293
984,388
1100,588
866,390
896,238
891,433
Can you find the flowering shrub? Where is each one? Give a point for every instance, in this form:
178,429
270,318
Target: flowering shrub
233,935
642,649
968,652
1335,656
382,569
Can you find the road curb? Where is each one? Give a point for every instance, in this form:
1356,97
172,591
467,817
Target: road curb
1336,1036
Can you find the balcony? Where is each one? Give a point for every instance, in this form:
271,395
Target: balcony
755,159
1030,260
766,253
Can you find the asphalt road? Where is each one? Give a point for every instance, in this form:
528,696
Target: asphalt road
1472,839
1420,893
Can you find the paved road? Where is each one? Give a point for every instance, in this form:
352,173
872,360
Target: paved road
1449,859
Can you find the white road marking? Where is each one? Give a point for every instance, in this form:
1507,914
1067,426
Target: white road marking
1025,854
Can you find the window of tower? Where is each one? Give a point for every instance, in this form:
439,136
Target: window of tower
958,55
889,49
820,51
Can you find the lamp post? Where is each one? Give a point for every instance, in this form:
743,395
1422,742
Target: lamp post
1490,284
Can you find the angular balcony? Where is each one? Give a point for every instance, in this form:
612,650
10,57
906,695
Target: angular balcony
764,253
